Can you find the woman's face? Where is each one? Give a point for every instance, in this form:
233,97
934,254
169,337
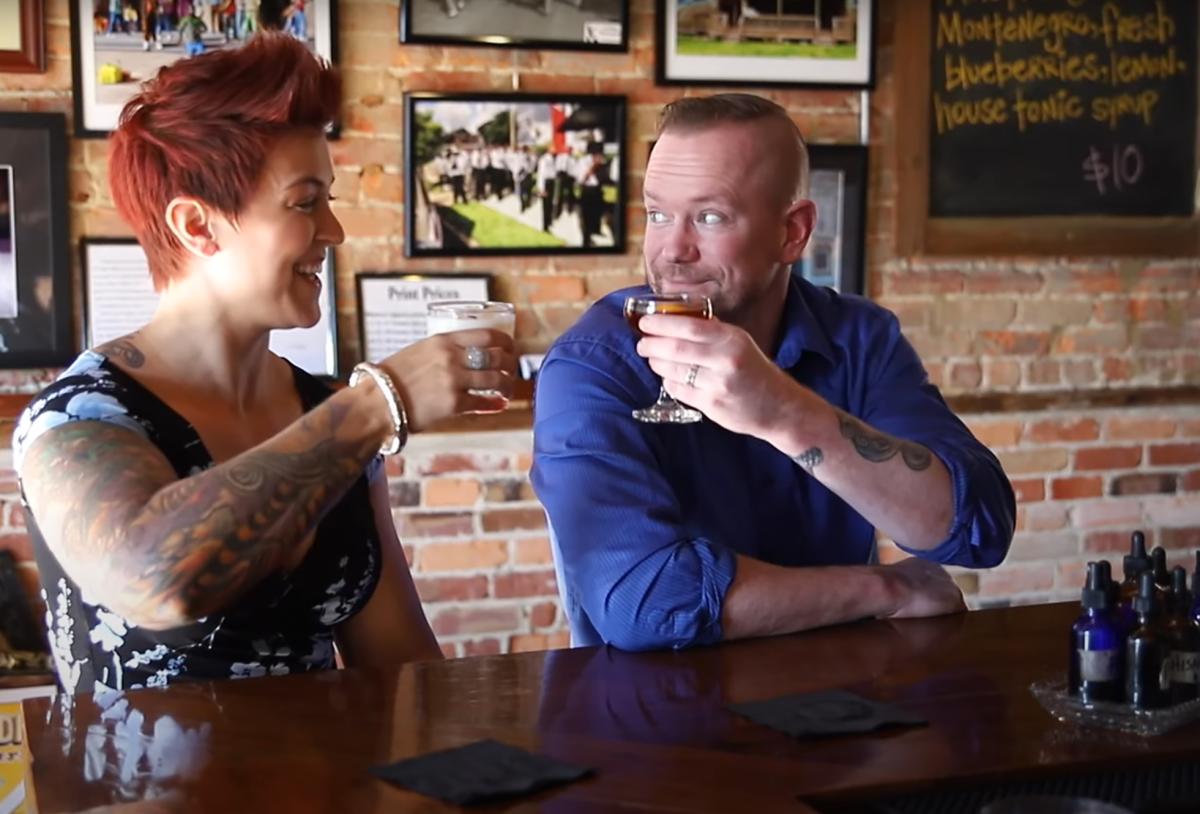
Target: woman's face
270,257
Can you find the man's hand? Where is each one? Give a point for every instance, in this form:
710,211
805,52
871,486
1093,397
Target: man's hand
921,588
734,384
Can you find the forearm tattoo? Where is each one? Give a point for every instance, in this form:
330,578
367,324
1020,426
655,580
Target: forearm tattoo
201,542
878,447
125,350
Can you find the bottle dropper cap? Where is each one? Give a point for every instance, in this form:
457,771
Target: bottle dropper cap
1136,560
1106,577
1095,591
1143,603
1162,576
1179,590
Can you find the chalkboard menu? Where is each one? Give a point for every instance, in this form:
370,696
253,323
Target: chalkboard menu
1062,107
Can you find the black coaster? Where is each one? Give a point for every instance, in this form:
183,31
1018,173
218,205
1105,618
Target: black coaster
834,712
478,772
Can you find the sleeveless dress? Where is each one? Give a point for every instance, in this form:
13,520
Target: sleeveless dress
283,625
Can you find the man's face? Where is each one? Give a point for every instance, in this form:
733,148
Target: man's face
716,222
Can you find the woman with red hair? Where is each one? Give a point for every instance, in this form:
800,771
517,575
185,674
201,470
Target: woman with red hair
200,508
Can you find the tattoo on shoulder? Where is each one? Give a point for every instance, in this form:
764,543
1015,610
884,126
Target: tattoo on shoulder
878,447
124,349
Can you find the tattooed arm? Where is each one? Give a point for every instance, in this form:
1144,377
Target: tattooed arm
162,551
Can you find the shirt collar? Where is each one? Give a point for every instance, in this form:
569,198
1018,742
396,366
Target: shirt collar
801,330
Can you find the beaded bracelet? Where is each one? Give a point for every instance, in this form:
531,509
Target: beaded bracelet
395,404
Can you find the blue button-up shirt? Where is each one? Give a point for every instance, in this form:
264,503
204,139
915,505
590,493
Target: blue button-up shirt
647,519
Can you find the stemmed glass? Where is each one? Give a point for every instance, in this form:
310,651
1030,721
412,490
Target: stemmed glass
666,410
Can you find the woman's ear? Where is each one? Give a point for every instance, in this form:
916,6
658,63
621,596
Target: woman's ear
799,220
191,223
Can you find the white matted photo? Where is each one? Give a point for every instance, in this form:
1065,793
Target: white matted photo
116,45
766,42
119,298
392,307
8,244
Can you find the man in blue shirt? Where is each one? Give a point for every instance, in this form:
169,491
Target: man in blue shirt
820,424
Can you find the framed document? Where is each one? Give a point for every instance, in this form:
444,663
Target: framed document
534,24
391,307
118,298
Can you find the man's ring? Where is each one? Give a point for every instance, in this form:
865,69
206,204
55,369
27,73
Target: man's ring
691,376
478,358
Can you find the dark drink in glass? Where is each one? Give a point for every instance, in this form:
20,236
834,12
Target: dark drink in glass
666,410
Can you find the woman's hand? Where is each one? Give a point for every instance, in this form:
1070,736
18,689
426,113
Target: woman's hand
434,378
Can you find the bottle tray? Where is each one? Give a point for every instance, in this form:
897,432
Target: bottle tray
1052,695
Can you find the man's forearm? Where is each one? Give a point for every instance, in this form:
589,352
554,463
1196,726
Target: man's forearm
767,600
899,486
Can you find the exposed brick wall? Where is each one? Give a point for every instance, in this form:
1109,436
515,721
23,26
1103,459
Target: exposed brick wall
472,528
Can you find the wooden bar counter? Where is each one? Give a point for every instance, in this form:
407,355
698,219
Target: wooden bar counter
653,726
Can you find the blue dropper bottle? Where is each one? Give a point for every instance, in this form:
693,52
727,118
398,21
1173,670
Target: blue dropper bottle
1097,644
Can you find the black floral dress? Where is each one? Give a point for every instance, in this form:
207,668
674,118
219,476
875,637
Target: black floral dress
284,625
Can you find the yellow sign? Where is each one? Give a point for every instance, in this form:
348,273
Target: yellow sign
16,763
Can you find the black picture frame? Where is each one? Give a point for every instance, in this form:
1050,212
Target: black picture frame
362,308
573,129
321,339
837,182
96,119
427,22
36,330
711,28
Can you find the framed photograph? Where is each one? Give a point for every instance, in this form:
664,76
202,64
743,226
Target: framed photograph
22,36
119,297
582,25
786,43
35,278
837,183
514,174
391,306
114,49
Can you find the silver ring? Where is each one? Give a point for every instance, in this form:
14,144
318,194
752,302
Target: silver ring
690,381
478,358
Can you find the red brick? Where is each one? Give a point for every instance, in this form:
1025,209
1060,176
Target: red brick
441,524
1145,483
553,288
447,589
1092,340
528,643
1174,454
1079,372
443,464
1072,429
1006,281
1031,461
1044,372
1089,279
1181,538
459,621
525,583
1075,488
1014,343
996,434
483,647
450,650
1190,428
965,375
1112,542
543,614
1002,374
1158,337
924,282
1138,428
1117,369
1107,458
1045,517
514,519
975,313
480,554
532,551
1029,490
451,492
508,491
1190,481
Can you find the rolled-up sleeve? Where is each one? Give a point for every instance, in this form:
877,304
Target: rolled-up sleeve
642,582
901,401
